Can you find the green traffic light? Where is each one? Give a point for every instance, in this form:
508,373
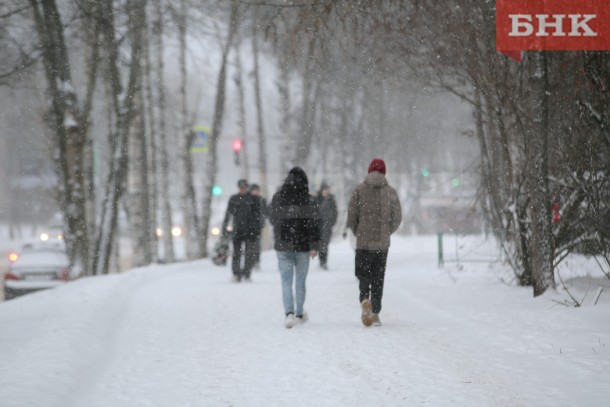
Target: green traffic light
455,182
425,172
216,190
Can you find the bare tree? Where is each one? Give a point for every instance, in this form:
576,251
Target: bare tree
69,122
164,159
138,208
18,54
260,128
241,100
217,122
283,86
151,137
189,203
537,154
124,111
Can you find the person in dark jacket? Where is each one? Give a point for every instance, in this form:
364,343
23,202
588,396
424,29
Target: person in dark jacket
374,213
245,212
255,191
328,217
295,220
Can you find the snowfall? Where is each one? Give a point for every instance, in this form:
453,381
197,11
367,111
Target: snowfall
185,335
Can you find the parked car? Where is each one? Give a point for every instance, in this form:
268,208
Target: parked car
37,269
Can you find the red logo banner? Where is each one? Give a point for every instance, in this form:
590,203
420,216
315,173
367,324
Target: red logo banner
552,25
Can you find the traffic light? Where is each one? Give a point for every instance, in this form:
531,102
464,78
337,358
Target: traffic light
216,190
455,182
237,146
425,172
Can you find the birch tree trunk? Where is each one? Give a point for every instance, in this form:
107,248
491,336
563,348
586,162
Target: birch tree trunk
260,129
189,204
241,96
303,143
219,105
139,208
92,62
348,153
166,210
69,126
283,87
124,112
152,152
324,140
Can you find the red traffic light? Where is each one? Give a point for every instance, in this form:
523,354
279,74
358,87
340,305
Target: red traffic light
237,144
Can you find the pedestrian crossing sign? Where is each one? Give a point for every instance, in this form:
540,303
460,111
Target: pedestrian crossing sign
200,140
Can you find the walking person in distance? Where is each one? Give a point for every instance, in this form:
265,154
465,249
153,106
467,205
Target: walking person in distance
374,213
245,212
328,217
295,220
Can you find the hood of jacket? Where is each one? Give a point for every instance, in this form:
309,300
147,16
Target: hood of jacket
295,190
376,180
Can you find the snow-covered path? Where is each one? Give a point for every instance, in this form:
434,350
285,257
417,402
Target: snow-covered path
183,335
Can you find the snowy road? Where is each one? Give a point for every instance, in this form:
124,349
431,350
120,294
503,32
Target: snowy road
183,335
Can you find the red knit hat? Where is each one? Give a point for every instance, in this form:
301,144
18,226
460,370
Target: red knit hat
377,165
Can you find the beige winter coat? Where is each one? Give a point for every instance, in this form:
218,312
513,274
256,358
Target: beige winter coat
374,212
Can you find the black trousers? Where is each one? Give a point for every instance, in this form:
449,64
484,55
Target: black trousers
370,270
323,253
257,250
250,256
325,236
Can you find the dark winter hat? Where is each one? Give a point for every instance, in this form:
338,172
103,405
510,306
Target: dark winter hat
242,183
324,186
377,165
254,187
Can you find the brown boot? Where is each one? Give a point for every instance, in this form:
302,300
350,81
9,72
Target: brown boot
367,316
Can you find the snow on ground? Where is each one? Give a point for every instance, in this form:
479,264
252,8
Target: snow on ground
183,335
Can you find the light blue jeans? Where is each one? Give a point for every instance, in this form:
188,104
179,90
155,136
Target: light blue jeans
291,263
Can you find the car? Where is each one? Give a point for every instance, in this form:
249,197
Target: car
37,269
53,232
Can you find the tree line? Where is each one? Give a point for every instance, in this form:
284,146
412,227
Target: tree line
345,75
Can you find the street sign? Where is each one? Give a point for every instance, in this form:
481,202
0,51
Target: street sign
200,141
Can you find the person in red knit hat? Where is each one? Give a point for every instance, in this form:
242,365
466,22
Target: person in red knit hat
374,213
377,165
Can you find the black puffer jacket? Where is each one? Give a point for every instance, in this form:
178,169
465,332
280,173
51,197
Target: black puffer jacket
294,215
246,213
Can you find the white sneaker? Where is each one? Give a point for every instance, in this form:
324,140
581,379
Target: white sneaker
376,320
303,318
290,321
